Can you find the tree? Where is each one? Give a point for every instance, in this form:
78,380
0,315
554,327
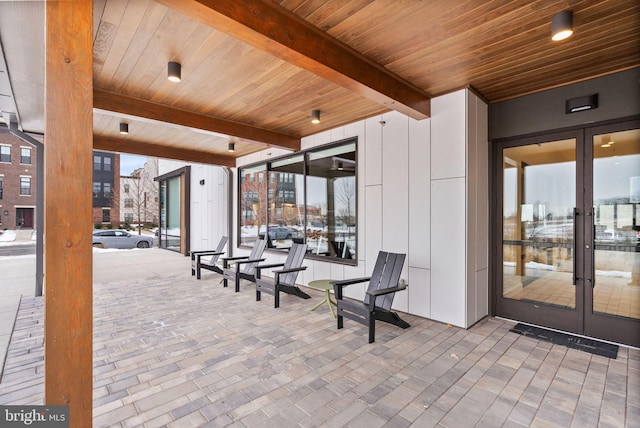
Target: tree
141,194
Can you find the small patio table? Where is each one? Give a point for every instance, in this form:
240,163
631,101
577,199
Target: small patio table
326,286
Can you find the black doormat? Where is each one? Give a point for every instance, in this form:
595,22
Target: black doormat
587,345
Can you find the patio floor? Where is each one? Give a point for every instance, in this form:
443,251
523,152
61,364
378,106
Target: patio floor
170,350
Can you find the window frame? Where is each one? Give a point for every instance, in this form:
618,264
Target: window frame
2,155
268,171
24,177
25,160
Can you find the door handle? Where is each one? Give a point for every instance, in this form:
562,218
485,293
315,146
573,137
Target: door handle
575,228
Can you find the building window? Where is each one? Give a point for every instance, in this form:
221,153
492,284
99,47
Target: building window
25,186
107,190
128,217
128,203
126,188
97,187
107,163
106,215
97,163
1,187
25,155
5,153
307,197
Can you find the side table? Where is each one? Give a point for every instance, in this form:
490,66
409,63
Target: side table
326,286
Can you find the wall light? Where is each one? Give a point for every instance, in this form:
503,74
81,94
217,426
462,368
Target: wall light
315,116
124,128
562,25
174,72
231,148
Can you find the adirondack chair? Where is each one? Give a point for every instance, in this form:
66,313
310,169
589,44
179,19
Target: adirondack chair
383,284
285,278
196,259
244,267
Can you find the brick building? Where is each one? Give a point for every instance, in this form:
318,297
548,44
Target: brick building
17,182
106,188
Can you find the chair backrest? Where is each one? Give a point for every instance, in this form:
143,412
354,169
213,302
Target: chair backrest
256,253
386,273
294,260
219,248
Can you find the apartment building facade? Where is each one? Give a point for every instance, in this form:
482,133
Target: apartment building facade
17,182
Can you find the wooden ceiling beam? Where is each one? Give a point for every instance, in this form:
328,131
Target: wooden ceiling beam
273,29
124,104
160,151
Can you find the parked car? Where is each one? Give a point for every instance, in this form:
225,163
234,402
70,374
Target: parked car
278,232
118,238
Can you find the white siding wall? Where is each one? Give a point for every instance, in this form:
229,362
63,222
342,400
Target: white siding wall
422,190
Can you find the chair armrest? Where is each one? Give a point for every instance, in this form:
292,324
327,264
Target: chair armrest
231,259
249,261
389,290
345,282
298,269
206,253
281,271
260,267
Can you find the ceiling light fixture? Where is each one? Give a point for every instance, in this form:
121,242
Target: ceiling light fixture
174,72
562,25
232,147
315,116
124,128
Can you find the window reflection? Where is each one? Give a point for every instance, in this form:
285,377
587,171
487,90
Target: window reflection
308,197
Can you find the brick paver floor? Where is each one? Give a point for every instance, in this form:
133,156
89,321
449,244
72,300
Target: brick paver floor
178,352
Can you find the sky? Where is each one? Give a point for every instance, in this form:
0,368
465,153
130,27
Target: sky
130,162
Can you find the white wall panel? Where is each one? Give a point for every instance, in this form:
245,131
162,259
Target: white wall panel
373,152
448,135
419,194
448,251
372,224
419,292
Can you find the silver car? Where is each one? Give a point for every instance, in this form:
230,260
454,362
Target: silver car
117,238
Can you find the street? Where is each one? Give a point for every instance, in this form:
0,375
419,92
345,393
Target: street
17,250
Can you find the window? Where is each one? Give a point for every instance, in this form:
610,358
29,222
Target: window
97,163
128,203
5,153
25,155
307,197
128,217
107,190
25,186
126,188
106,216
107,163
1,187
97,187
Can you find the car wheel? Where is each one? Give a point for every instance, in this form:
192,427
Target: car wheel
143,244
99,245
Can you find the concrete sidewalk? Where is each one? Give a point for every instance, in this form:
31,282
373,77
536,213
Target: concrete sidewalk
17,277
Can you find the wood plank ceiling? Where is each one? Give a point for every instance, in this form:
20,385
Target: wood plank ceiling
240,84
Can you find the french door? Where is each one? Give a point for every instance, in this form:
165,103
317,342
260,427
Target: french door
567,231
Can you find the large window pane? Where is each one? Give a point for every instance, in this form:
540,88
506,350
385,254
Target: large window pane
308,197
253,203
331,202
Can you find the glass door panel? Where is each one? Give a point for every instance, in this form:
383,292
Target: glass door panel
539,200
616,230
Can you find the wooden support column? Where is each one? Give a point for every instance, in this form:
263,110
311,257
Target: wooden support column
68,223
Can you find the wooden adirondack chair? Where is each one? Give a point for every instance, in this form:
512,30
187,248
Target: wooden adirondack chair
285,278
196,259
383,284
244,267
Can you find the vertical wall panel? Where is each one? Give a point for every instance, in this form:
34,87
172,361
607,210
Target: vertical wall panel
420,292
372,167
372,224
395,184
448,139
448,251
419,193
